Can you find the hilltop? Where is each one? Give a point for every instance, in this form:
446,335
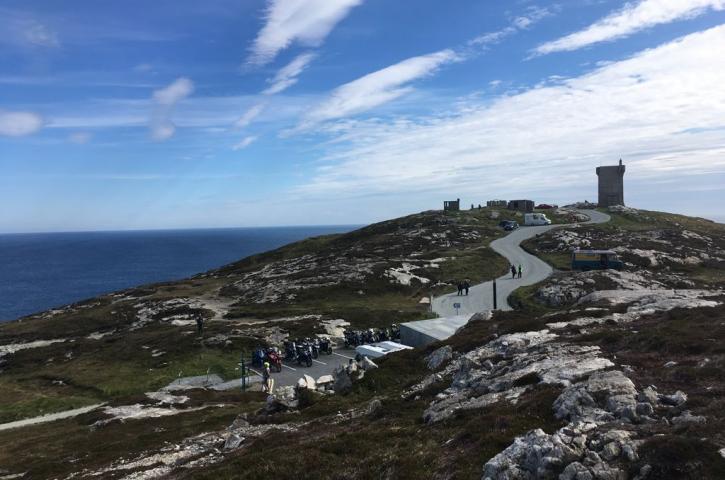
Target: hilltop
594,375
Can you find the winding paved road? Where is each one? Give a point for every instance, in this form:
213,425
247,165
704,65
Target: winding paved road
480,297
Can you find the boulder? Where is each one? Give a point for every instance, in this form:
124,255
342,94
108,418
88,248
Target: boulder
325,380
367,364
343,383
374,408
233,441
649,395
676,399
439,357
481,317
687,418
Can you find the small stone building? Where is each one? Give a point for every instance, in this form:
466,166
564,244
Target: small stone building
497,204
452,205
526,206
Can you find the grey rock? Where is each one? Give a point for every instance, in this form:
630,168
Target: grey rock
687,418
374,409
644,408
629,452
367,364
343,383
576,471
676,399
670,364
439,357
481,317
233,441
611,451
649,395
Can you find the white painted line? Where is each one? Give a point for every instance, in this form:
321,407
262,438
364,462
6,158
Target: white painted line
253,370
341,355
316,361
293,369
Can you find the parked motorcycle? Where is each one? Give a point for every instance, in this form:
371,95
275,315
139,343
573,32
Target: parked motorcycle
304,355
275,359
325,346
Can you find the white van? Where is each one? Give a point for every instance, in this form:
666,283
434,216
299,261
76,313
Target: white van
531,219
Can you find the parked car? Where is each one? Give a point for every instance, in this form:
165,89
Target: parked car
509,225
595,260
531,219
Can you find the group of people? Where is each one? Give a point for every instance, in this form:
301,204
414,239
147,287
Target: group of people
463,287
515,271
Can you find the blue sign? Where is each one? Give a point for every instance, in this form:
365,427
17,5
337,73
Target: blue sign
456,306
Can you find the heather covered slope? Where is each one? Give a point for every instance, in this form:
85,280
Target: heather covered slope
622,380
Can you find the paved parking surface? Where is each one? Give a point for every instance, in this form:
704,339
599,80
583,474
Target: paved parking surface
324,365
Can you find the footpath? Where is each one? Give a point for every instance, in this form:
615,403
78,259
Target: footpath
480,297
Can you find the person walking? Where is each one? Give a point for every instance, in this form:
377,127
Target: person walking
200,324
520,271
466,286
513,272
460,289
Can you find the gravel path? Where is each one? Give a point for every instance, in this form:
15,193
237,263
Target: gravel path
480,297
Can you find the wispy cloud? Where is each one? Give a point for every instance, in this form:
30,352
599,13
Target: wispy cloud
307,22
80,138
287,75
22,29
162,128
377,88
547,137
19,124
531,16
248,117
246,141
630,19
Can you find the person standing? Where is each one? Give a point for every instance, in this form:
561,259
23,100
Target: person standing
267,385
520,271
200,324
460,289
466,286
513,272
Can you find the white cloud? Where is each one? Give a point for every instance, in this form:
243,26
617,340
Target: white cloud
307,22
246,141
631,19
287,75
377,88
19,124
20,29
661,110
162,128
80,138
530,17
174,92
249,116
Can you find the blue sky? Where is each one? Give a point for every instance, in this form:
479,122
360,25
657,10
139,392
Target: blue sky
176,114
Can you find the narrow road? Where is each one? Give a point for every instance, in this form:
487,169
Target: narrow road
480,297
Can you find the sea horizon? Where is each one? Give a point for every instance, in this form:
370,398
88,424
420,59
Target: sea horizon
47,270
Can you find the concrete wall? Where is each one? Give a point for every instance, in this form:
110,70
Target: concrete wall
611,185
424,332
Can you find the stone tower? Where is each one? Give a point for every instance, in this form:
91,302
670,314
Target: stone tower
611,185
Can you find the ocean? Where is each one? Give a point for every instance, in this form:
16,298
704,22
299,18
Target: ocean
39,271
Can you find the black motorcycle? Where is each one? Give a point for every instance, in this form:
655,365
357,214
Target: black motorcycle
325,346
304,355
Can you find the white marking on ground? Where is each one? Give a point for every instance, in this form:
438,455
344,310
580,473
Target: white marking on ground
293,369
341,355
317,361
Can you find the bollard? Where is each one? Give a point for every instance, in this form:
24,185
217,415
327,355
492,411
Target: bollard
494,294
243,369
